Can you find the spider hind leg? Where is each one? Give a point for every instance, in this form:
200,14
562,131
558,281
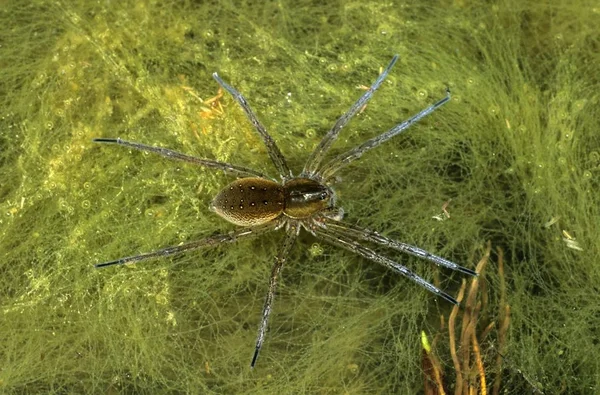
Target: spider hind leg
210,241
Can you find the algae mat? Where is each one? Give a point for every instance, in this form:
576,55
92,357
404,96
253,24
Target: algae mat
516,153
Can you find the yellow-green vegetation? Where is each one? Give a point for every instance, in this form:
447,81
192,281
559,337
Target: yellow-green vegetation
517,151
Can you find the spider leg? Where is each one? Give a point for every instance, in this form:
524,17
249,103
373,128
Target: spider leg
274,152
374,237
194,245
348,157
313,162
280,259
343,240
226,167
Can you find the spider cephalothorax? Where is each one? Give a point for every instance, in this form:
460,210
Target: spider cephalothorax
260,204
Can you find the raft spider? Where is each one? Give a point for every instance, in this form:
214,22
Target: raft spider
261,204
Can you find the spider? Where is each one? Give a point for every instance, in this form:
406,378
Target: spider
259,203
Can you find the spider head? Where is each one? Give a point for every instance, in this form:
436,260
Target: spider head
305,197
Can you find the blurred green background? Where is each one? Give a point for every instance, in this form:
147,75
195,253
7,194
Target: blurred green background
517,151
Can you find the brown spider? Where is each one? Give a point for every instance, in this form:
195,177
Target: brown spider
260,204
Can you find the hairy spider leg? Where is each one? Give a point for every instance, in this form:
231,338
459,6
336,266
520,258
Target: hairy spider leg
315,158
348,157
342,240
210,241
274,153
284,250
374,237
226,167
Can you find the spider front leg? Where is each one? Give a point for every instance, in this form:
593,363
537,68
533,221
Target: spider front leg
315,158
343,160
194,245
340,239
374,237
280,259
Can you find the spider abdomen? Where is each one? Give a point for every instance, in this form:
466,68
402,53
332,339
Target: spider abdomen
249,201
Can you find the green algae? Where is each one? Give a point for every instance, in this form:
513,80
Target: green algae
516,148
